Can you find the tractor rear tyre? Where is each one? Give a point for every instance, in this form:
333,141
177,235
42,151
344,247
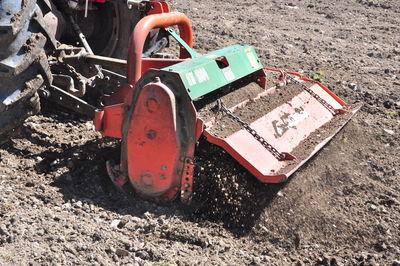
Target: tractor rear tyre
107,27
24,68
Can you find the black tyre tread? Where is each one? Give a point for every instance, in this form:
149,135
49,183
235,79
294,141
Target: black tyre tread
23,63
14,17
15,65
28,104
128,20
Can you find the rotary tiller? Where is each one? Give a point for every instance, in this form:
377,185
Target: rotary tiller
270,121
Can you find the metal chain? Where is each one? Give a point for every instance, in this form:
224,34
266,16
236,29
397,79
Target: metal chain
278,155
313,94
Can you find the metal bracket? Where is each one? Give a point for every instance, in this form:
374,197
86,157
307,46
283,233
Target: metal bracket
108,62
191,52
138,3
187,180
68,100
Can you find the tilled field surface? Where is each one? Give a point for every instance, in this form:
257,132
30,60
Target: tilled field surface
57,205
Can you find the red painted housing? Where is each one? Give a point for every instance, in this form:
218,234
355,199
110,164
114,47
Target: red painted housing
157,140
159,127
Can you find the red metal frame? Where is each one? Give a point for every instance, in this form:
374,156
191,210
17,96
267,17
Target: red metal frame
143,131
137,65
158,7
141,31
313,81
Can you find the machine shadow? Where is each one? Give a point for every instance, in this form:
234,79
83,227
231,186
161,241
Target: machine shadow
236,200
225,193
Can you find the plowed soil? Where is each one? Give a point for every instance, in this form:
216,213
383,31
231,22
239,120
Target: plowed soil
57,205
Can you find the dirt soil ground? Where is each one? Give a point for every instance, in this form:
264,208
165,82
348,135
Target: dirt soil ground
57,205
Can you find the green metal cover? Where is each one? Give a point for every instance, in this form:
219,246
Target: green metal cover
202,75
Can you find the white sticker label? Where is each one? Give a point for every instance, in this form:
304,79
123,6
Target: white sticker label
252,59
201,75
289,121
190,78
228,73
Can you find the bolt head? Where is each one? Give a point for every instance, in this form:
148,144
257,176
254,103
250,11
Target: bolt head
147,179
152,105
151,134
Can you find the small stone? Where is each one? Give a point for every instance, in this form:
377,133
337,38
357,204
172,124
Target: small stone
380,247
256,261
115,223
334,262
55,162
279,194
291,5
122,252
89,125
142,254
322,261
352,86
67,206
382,209
135,219
388,104
138,260
388,131
362,257
122,223
111,250
29,184
78,204
372,207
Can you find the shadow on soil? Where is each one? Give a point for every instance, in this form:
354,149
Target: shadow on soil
225,193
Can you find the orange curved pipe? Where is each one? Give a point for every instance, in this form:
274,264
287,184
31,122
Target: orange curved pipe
141,31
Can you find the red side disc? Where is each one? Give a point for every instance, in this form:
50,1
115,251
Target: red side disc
152,144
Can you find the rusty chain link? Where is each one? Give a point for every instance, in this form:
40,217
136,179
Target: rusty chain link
313,94
278,155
